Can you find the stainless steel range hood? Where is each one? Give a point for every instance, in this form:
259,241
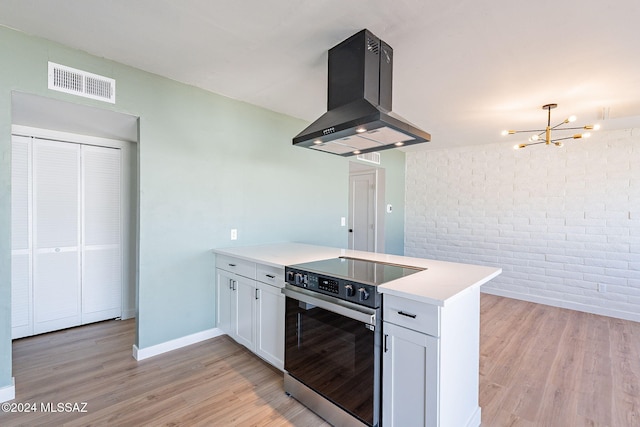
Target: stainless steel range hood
359,118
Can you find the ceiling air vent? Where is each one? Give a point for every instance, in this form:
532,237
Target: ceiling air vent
81,83
370,157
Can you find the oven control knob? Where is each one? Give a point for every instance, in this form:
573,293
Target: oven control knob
349,291
299,279
363,294
290,278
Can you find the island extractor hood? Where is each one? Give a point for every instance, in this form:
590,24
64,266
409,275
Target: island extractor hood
359,118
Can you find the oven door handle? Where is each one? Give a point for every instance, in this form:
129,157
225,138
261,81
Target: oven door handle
343,308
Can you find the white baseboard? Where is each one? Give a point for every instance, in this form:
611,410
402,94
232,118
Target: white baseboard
154,350
9,392
602,311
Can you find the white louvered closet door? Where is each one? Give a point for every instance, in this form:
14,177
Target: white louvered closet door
21,296
66,258
101,234
56,235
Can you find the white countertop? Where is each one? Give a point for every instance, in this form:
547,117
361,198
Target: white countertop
439,282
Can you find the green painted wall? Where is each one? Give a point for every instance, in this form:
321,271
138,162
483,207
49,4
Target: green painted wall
393,162
206,164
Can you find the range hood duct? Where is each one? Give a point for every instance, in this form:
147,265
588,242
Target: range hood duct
359,118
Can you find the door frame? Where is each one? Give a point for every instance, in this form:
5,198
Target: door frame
378,202
127,216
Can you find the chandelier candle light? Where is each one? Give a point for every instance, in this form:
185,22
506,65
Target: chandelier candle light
546,133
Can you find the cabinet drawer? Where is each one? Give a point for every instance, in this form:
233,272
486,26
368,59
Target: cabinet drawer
235,265
271,275
411,314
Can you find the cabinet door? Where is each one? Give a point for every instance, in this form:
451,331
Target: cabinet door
224,291
270,315
244,311
410,378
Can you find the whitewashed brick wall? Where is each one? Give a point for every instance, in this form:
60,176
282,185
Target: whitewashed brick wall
562,223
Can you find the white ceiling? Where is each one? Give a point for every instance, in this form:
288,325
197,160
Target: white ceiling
463,69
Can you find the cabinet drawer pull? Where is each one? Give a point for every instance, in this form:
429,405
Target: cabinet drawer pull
270,276
231,265
257,294
402,313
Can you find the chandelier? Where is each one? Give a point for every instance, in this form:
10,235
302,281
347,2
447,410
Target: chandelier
543,136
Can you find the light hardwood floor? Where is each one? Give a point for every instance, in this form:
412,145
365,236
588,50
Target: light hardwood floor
539,366
213,383
546,366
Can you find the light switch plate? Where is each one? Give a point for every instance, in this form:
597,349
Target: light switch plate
234,234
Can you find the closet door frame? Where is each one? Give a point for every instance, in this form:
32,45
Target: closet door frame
127,253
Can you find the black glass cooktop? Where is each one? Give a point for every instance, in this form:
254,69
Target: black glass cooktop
358,270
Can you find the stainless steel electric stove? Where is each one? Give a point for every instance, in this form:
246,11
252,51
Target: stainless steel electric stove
333,336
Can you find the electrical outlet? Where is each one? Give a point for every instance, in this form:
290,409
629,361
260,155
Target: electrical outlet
343,221
234,234
602,287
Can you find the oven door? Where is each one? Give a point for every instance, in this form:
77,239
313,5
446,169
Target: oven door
333,347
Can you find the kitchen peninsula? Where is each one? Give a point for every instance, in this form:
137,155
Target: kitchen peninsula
429,321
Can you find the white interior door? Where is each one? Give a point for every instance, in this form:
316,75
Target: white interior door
101,234
362,211
56,235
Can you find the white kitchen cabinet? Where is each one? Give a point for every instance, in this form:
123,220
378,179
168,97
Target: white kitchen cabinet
431,361
224,290
236,299
243,312
250,310
430,371
270,317
410,380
